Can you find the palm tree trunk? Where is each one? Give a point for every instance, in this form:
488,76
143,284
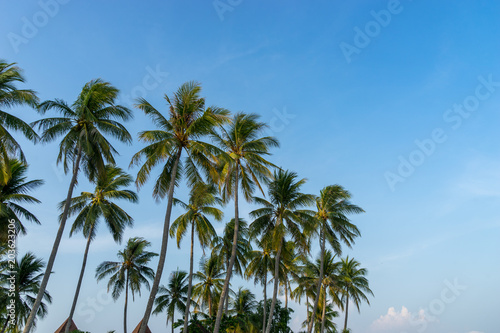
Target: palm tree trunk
225,290
316,301
226,300
307,302
190,283
125,307
164,243
265,296
323,314
286,294
173,318
55,247
346,310
276,284
79,284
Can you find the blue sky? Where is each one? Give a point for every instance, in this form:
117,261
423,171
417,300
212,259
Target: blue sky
403,112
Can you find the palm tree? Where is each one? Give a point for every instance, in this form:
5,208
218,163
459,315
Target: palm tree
354,284
330,284
84,125
26,276
92,207
201,200
187,124
332,206
14,192
280,217
324,318
222,248
243,305
244,163
173,297
258,268
10,96
130,272
209,289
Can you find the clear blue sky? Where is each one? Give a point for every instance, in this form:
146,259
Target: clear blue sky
403,112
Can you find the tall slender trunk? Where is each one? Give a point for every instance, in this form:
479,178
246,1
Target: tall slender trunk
79,284
346,310
226,300
190,282
173,320
126,304
265,296
164,243
276,284
307,302
55,247
225,290
320,281
324,312
286,294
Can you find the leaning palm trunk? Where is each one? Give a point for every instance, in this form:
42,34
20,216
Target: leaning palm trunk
126,304
265,295
164,243
323,314
55,247
79,284
346,310
225,290
316,301
276,284
190,283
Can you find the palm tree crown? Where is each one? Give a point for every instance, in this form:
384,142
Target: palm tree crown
130,272
13,193
27,272
10,96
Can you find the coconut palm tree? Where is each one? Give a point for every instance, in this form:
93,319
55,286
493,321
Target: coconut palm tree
332,207
14,193
84,125
209,289
91,208
130,272
243,305
173,297
354,283
202,198
26,277
258,268
324,318
243,163
282,217
330,285
222,248
184,130
10,96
